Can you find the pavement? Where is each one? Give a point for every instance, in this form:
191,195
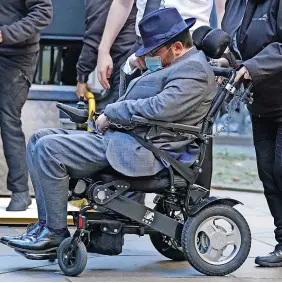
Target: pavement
141,262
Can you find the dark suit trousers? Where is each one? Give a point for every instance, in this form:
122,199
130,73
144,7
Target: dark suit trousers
16,76
268,145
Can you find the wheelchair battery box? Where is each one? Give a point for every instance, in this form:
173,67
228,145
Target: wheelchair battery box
106,238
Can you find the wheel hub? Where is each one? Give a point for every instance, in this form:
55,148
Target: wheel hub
218,240
212,240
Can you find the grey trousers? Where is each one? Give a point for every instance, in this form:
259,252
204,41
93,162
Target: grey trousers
55,155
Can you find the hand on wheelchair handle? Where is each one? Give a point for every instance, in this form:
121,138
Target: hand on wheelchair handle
81,89
243,73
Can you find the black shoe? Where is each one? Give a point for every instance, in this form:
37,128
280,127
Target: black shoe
43,242
273,259
19,202
31,230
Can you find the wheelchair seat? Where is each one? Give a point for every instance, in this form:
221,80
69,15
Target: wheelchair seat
152,184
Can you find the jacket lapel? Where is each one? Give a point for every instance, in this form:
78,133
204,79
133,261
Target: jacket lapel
134,83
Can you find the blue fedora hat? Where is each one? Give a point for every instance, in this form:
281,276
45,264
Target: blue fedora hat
159,27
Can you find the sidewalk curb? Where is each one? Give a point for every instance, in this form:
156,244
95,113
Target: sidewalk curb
237,189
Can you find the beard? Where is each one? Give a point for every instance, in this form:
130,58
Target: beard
169,58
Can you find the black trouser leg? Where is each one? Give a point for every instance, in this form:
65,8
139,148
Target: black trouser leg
268,145
13,94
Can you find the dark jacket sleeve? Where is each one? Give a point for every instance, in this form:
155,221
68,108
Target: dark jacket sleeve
96,12
87,62
39,16
267,63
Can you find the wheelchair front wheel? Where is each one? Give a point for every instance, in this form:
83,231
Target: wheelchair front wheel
166,246
217,240
75,263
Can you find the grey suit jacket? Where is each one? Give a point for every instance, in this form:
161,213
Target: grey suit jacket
180,93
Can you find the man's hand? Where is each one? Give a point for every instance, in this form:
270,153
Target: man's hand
102,123
1,37
137,62
243,72
105,68
81,88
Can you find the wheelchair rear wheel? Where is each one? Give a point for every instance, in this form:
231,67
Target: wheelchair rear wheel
217,240
164,245
75,263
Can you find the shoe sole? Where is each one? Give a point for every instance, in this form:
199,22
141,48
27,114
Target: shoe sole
4,242
267,264
41,256
32,251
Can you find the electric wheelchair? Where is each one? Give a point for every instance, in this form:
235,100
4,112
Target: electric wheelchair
186,222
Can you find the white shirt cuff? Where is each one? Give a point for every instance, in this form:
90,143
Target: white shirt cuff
127,68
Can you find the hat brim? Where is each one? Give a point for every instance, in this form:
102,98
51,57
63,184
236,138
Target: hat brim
143,51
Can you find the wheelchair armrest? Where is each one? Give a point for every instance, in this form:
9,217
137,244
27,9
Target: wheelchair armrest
137,120
79,116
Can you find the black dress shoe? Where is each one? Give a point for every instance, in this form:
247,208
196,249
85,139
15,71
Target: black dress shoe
19,202
31,230
45,241
273,259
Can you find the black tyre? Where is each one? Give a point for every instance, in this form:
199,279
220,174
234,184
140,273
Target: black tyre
166,246
76,263
212,247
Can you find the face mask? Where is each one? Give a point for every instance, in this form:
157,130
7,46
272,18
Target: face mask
153,63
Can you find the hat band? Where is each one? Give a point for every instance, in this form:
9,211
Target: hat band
156,39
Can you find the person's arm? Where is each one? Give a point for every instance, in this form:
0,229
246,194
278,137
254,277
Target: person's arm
85,66
267,63
39,16
117,17
182,93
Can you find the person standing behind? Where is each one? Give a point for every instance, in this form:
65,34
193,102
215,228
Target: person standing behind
118,14
256,27
96,16
20,24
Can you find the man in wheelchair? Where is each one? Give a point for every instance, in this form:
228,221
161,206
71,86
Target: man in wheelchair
152,140
178,87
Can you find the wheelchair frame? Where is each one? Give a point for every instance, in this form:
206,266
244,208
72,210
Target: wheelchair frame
148,219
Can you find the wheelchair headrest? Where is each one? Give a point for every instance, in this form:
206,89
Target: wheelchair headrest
199,34
213,42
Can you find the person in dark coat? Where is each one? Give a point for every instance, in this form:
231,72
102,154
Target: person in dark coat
95,19
20,24
256,29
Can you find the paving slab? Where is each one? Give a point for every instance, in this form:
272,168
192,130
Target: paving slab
50,273
249,270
